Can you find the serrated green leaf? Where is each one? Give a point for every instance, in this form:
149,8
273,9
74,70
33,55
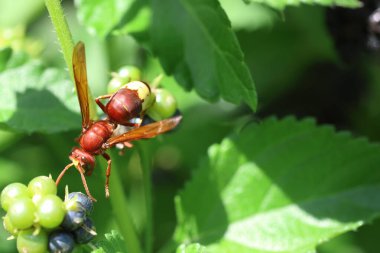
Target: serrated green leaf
103,17
194,41
280,186
35,99
281,4
112,243
191,248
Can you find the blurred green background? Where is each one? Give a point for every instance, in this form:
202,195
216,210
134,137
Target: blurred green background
295,62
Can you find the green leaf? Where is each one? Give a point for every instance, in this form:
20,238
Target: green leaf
136,20
13,171
19,12
102,17
194,42
250,17
281,4
5,55
280,186
35,99
192,248
112,243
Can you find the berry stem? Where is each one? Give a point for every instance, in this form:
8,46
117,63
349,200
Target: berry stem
63,32
121,211
146,165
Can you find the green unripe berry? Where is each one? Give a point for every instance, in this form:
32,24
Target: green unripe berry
164,107
50,211
12,192
114,85
8,226
22,213
27,242
42,185
129,73
124,75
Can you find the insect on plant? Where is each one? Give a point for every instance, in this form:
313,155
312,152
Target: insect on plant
129,102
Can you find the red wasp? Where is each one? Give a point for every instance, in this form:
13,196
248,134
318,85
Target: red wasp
129,102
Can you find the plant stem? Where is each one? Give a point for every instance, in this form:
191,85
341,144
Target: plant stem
146,165
66,42
63,32
122,213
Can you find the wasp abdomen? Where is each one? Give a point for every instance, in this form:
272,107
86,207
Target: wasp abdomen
123,106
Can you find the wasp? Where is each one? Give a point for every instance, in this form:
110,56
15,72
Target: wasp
97,136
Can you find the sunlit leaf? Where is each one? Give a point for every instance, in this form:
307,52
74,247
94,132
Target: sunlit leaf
192,248
35,99
280,186
194,41
103,17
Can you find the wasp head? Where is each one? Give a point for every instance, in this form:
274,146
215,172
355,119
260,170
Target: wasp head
83,160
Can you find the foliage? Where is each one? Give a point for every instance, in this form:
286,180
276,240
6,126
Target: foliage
23,88
226,180
276,182
280,4
113,242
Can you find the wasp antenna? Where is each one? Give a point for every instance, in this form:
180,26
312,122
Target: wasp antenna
63,173
80,169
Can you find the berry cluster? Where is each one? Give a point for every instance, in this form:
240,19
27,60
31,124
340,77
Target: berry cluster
41,221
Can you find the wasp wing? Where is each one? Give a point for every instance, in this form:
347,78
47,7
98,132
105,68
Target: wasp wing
145,132
81,83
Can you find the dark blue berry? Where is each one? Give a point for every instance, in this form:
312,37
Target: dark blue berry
86,232
83,200
61,242
73,220
147,120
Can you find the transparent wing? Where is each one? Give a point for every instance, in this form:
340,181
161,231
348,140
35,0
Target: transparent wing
81,84
145,132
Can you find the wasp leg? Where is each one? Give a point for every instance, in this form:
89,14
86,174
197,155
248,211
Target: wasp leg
108,173
123,146
100,104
